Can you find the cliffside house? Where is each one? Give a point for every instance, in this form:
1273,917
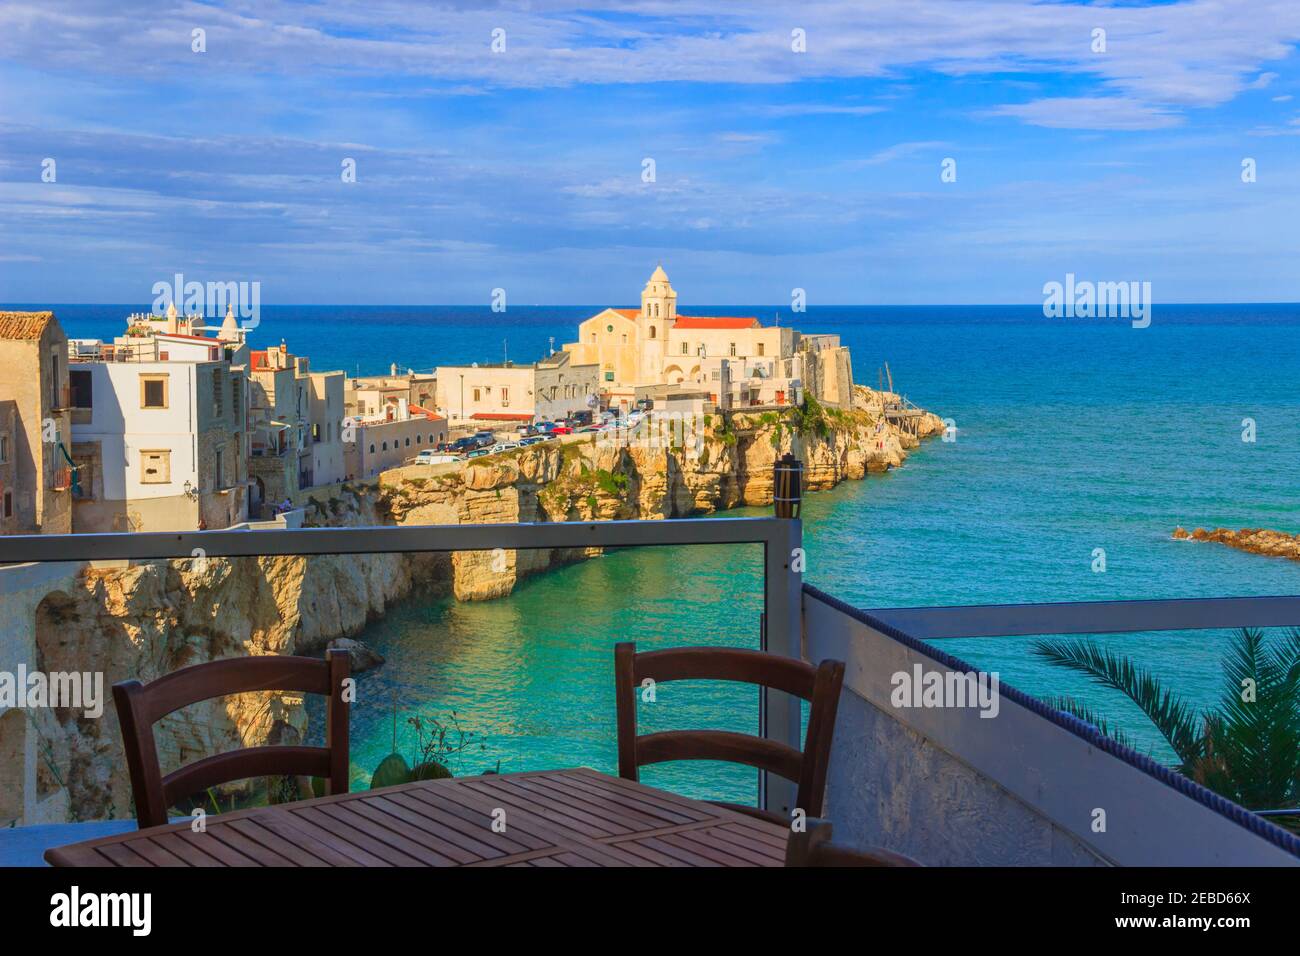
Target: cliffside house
510,393
368,396
159,432
35,431
400,432
296,426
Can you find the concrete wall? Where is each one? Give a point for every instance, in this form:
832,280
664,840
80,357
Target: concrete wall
949,787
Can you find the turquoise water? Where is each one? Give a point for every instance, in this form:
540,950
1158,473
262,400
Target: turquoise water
1071,437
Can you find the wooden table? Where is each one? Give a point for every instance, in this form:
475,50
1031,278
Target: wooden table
551,818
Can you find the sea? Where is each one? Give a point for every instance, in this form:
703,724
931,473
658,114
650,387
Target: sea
1074,440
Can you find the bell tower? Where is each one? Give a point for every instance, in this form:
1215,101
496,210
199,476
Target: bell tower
658,315
658,301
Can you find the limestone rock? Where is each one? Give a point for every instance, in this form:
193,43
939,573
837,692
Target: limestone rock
363,657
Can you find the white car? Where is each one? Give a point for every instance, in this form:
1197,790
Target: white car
503,446
429,457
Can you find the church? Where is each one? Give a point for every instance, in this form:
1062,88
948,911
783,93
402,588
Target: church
736,360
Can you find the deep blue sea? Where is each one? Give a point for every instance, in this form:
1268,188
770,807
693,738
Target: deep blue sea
1072,436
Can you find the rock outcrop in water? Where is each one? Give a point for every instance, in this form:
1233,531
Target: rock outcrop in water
145,620
1273,544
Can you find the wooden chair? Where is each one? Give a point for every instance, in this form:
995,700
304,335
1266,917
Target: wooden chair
818,685
140,706
813,847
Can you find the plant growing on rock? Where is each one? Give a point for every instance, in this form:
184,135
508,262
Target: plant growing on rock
438,745
1247,748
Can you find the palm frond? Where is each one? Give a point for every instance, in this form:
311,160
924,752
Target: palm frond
1172,716
1088,716
1255,735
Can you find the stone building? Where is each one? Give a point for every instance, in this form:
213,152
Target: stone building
655,345
35,425
392,439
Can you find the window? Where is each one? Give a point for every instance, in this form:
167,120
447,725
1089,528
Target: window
609,376
408,441
476,394
430,439
56,396
153,391
733,349
218,393
79,380
9,504
315,432
219,470
372,448
505,396
609,328
652,331
760,348
419,439
385,446
4,448
155,467
686,348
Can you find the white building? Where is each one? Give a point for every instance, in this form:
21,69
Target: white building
158,433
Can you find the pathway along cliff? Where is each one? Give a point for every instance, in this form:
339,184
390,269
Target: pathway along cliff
148,619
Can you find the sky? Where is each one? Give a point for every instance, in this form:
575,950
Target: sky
795,145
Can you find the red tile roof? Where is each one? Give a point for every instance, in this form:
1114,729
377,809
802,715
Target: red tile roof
702,321
716,322
420,410
24,325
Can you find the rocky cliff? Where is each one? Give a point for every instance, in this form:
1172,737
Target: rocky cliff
146,620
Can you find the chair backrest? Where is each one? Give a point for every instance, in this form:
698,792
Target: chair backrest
140,706
818,685
813,847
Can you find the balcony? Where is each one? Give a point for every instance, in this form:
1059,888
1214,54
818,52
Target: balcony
944,785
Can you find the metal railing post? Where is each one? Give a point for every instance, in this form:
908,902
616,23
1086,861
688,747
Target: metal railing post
780,715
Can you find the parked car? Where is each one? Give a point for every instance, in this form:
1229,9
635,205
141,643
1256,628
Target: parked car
431,457
478,453
483,439
503,446
531,440
589,428
561,430
462,445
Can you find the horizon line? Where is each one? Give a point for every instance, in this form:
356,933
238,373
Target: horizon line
701,305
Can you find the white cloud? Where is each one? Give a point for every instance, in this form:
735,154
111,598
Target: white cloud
1089,112
1162,58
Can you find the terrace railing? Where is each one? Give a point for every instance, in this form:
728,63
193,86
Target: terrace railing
779,628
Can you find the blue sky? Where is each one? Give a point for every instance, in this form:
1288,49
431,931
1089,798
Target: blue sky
774,169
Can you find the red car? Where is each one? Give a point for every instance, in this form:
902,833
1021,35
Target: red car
561,430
